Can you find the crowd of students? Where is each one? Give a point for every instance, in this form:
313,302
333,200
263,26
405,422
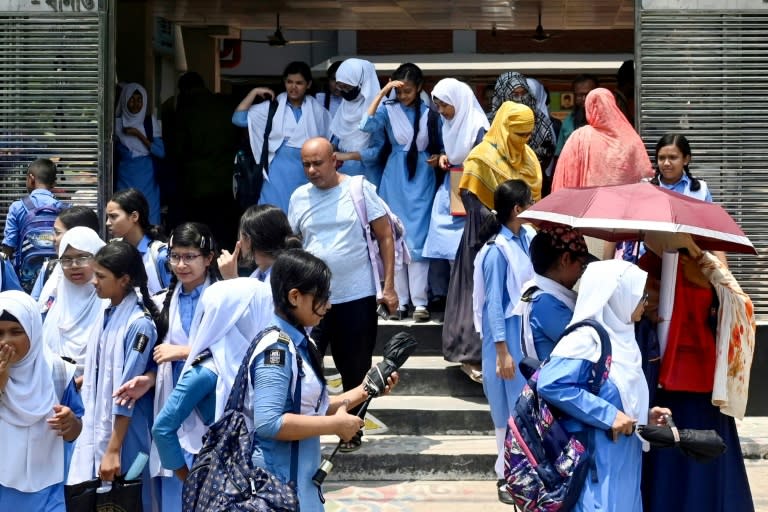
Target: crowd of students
140,338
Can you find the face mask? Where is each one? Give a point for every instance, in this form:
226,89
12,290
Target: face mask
350,95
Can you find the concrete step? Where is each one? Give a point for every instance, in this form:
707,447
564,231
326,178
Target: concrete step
427,375
460,457
433,415
428,334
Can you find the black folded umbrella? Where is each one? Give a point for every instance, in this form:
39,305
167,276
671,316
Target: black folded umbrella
397,350
702,445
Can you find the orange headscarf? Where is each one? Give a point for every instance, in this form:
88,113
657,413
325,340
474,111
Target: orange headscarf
607,151
503,155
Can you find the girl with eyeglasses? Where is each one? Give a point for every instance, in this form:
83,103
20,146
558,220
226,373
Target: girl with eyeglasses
76,307
193,262
119,349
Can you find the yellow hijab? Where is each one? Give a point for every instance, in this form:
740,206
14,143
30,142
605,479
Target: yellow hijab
503,155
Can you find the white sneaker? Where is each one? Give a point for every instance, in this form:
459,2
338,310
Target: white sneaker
420,314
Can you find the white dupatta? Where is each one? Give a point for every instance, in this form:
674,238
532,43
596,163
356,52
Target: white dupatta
105,357
402,127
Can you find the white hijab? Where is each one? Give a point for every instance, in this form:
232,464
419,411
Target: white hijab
609,292
460,133
77,308
229,316
402,127
126,119
346,122
314,122
33,455
98,421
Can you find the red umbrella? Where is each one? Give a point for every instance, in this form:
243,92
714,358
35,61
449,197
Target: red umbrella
626,212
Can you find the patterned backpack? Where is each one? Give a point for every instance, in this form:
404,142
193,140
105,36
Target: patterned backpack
36,236
545,467
222,477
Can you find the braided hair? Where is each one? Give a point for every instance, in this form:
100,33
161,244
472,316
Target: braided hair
681,143
189,234
121,258
412,73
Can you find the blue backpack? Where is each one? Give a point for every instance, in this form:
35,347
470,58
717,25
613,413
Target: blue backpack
223,477
35,241
545,466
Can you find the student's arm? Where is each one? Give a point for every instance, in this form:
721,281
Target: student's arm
251,96
549,317
110,462
384,237
494,281
138,345
10,279
11,230
383,93
271,385
193,386
66,419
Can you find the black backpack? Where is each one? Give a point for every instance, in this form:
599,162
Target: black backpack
222,477
248,174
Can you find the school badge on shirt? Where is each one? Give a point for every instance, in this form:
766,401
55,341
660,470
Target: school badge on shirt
140,342
275,357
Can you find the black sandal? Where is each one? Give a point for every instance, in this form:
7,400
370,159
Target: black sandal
353,444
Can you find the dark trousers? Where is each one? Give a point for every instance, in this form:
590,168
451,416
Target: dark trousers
349,329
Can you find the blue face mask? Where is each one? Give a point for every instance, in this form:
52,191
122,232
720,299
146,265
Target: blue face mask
350,95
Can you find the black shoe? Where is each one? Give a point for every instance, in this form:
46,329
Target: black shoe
504,496
437,304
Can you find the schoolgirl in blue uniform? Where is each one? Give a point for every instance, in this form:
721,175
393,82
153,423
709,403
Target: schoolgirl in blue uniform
464,125
501,268
229,315
264,233
299,116
359,151
121,349
128,219
408,182
301,289
193,262
39,410
136,149
559,256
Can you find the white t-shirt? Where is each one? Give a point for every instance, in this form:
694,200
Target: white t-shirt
331,229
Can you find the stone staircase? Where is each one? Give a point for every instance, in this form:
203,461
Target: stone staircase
438,420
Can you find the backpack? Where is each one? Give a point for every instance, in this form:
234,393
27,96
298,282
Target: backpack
222,477
35,241
402,255
248,174
545,467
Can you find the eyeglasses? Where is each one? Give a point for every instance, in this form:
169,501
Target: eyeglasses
80,261
188,258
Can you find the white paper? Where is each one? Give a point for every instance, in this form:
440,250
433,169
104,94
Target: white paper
666,296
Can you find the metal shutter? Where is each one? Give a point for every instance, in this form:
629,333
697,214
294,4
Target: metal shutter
51,99
705,74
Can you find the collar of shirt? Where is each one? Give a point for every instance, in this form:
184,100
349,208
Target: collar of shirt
521,239
41,192
683,182
194,294
298,337
143,244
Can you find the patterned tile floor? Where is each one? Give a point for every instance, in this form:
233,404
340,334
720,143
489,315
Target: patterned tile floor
462,496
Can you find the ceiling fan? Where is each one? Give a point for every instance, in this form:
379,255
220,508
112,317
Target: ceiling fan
278,39
539,35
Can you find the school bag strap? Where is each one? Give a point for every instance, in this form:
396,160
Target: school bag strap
602,366
264,158
358,199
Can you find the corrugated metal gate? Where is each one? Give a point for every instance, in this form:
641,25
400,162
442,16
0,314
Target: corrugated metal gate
705,74
53,56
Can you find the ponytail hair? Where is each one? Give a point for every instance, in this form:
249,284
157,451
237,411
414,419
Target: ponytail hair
509,194
412,73
679,141
189,234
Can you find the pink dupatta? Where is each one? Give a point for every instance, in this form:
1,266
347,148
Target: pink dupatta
607,151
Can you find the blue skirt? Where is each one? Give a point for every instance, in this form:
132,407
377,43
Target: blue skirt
673,481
